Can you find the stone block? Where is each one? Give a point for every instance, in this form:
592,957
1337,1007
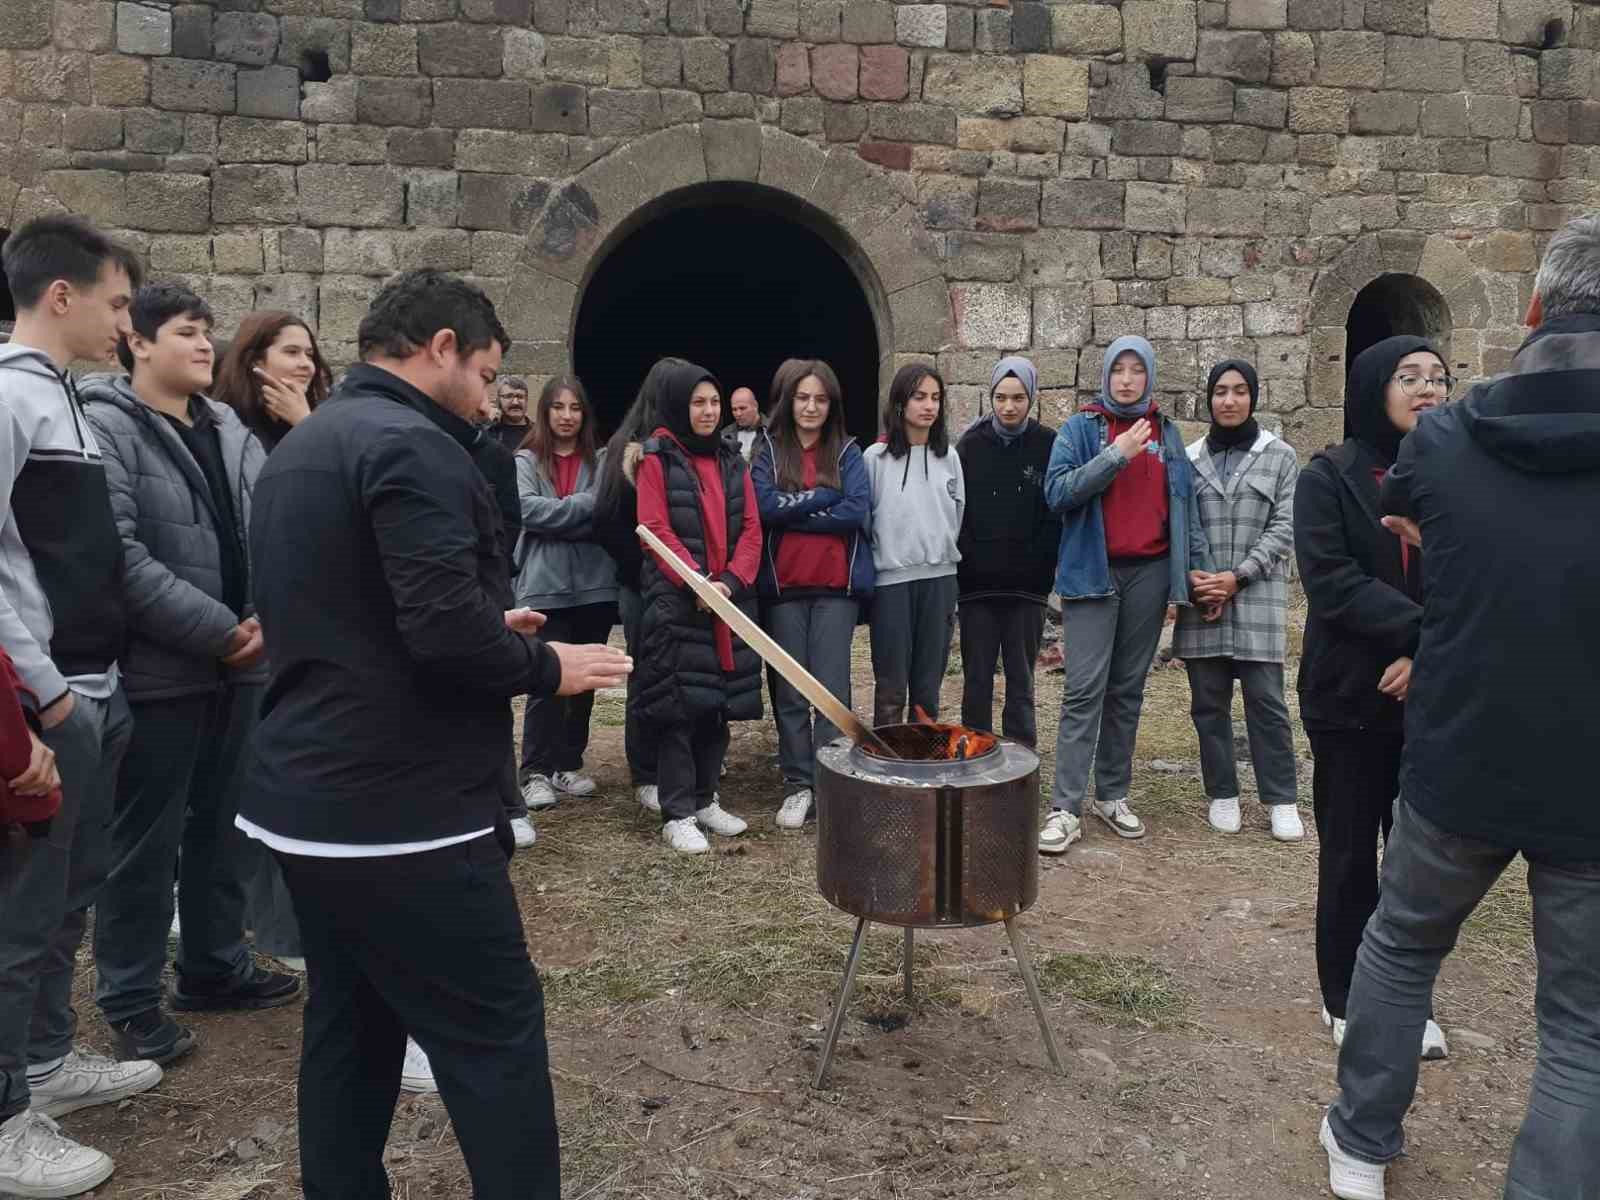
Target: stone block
1260,107
92,128
1529,22
300,37
1567,74
1057,87
1319,110
1584,122
237,253
1524,160
1157,30
625,62
1085,29
269,92
481,104
1294,59
351,195
992,316
1062,318
920,25
910,122
1258,14
460,50
976,85
801,115
990,257
48,76
661,62
27,25
1423,64
884,73
628,16
170,202
1058,257
947,202
79,25
705,65
299,249
835,71
1193,98
1468,19
247,38
615,113
1275,317
334,101
438,249
1493,116
577,60
732,149
1083,203
184,85
1243,56
522,56
793,70
1409,17
1008,205
1347,58
143,29
1316,14
755,66
433,198
186,253
1239,143
248,195
560,108
1030,26
844,122
394,101
724,18
819,20
504,153
991,33
245,139
1444,116
893,156
1384,112
1136,138
1155,207
1219,321
98,195
498,12
150,132
1226,212
338,143
383,49
867,21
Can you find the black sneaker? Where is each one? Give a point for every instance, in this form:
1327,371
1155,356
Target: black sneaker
152,1035
258,989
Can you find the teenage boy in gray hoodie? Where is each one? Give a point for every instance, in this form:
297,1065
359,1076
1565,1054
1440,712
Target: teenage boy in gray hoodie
62,620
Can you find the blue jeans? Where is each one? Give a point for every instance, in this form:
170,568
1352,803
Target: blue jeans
1432,880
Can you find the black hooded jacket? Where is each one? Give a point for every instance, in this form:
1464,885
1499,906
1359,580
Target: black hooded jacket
1501,719
1365,611
1009,538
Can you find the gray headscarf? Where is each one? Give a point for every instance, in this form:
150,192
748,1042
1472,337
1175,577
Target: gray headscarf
1023,370
1147,355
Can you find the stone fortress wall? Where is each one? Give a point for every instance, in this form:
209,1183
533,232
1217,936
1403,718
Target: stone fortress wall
1226,177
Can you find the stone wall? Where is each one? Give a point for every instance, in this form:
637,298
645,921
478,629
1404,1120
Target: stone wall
1222,176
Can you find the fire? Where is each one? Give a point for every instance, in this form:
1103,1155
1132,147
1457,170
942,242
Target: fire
953,742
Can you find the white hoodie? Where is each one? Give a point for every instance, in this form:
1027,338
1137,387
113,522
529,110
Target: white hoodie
916,513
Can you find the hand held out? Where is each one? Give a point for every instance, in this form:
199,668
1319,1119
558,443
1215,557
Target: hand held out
1133,440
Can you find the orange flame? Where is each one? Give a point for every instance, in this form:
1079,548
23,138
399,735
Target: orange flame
959,741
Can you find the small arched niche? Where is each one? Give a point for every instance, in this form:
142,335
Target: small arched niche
1393,304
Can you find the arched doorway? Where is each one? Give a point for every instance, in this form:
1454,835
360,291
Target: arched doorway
1394,304
736,278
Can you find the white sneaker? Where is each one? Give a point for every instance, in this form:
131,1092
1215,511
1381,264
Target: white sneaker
648,796
720,821
1433,1044
1061,829
417,1074
684,836
1336,1024
1350,1178
1286,826
537,792
1119,817
570,783
293,961
796,808
86,1080
522,832
1224,815
37,1160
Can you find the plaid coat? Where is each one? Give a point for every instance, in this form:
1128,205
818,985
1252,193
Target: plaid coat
1250,524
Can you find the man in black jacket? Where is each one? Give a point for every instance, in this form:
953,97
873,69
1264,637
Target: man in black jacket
1501,724
383,596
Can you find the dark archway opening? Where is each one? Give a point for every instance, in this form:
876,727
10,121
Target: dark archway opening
1391,305
730,282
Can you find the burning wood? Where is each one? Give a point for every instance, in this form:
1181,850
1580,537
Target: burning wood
933,741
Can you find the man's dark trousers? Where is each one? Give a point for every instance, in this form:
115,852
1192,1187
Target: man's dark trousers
428,944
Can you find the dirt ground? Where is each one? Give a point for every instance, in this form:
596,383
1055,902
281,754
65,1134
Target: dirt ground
687,999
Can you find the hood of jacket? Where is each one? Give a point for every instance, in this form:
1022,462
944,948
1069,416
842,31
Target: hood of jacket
1366,417
1543,416
15,357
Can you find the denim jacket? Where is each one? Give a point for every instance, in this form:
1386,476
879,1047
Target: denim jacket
1082,465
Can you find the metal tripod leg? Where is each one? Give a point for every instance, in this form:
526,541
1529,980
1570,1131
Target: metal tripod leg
1019,950
906,967
839,1004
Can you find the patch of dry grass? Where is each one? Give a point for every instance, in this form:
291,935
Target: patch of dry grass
1128,987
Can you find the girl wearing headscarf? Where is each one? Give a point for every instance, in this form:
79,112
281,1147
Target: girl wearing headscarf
1008,544
1363,591
918,493
695,495
1131,543
1244,486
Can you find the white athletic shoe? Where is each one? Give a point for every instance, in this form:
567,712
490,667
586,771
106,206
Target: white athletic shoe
294,962
1119,817
1350,1178
720,821
1433,1044
38,1160
1224,815
648,796
570,783
684,836
1061,829
417,1074
537,792
796,808
86,1080
1286,826
1336,1024
522,832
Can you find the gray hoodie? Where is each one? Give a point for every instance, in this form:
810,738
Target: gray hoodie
916,513
559,564
61,612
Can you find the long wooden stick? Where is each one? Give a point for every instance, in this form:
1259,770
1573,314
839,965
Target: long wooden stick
803,681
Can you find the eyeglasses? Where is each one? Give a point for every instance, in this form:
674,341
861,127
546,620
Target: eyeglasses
1411,385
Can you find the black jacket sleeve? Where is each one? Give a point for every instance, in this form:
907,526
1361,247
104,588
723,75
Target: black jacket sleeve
1338,588
1394,496
420,503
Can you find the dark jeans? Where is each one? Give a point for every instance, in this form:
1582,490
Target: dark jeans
688,759
179,786
638,748
1353,786
46,887
817,632
268,908
911,628
431,945
1266,721
1432,881
1007,630
555,729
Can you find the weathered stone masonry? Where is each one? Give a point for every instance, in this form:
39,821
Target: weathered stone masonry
1223,176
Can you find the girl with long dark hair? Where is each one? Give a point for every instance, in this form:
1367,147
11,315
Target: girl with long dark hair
816,568
273,374
918,494
563,573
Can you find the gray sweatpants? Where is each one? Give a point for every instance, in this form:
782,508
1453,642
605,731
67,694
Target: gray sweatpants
1432,881
817,632
1109,646
912,624
46,887
1266,721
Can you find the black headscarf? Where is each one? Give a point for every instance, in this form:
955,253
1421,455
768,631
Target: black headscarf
1366,417
677,385
1220,438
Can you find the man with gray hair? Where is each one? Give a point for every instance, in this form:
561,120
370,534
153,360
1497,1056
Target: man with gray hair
1501,492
